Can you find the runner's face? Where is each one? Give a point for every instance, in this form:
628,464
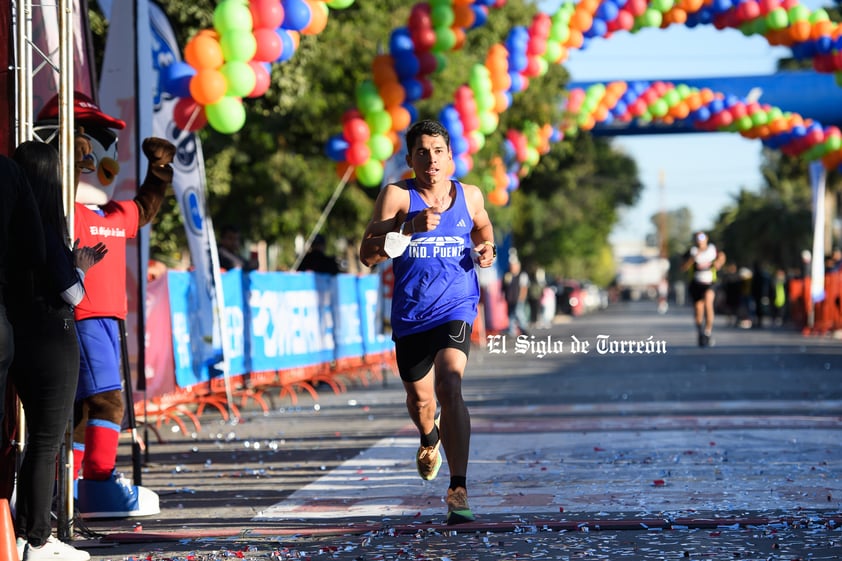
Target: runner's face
431,160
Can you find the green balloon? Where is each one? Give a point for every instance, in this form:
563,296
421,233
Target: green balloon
232,15
485,100
837,76
683,90
380,146
240,77
238,45
833,143
798,13
659,108
441,61
478,138
442,16
777,18
339,4
671,97
379,122
819,15
226,115
560,31
368,98
650,18
445,39
370,173
553,52
744,123
759,118
488,121
662,5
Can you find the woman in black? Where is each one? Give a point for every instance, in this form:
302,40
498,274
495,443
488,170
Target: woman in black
45,369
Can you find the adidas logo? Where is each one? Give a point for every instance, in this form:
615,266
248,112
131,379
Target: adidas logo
461,223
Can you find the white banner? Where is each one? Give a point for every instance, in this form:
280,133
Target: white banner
818,176
189,189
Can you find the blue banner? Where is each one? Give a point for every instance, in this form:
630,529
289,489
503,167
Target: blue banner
276,321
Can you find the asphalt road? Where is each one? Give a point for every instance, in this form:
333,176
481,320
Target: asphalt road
610,436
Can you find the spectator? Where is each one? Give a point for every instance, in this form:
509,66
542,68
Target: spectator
45,370
317,260
515,287
231,251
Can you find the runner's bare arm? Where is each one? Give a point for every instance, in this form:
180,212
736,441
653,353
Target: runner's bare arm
390,210
483,232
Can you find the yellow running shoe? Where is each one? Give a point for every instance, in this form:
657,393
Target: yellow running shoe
458,511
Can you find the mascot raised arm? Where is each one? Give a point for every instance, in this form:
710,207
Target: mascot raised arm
102,492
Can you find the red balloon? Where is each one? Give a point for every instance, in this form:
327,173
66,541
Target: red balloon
423,39
357,153
427,62
269,45
267,14
188,115
262,79
419,17
356,130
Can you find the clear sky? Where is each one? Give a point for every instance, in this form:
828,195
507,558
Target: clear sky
701,171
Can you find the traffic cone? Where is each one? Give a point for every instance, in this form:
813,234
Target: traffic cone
8,547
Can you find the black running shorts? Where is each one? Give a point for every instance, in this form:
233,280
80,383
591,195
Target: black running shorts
415,353
698,290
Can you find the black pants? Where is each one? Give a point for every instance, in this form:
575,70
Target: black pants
45,372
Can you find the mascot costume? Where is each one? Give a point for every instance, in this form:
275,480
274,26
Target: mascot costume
101,491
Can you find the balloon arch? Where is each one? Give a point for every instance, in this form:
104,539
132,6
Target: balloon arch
385,103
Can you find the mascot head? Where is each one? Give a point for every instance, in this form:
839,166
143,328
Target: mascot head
98,180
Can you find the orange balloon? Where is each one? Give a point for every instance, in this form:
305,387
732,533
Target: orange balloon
575,39
707,95
691,6
589,6
208,86
831,160
383,69
680,110
764,131
821,29
463,16
459,33
588,123
501,82
800,30
501,101
778,125
392,93
318,17
498,197
401,117
677,16
600,114
204,51
296,38
342,167
581,20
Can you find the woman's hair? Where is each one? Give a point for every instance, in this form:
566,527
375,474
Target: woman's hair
39,162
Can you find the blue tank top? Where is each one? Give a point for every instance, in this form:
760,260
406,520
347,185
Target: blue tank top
435,279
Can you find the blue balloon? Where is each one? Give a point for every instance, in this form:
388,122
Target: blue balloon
288,45
693,20
716,106
701,114
407,64
336,147
401,40
480,15
720,6
460,167
175,79
514,182
598,29
509,154
412,88
517,82
518,61
607,11
458,142
619,108
296,14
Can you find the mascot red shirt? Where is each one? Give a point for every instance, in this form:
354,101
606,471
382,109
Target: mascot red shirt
101,491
